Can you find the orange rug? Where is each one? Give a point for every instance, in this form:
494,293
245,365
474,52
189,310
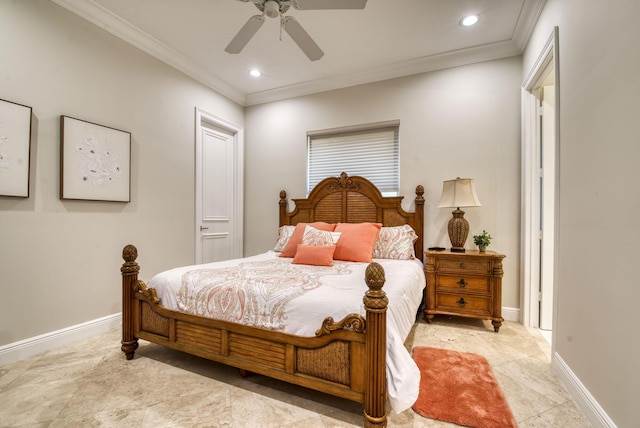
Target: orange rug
459,387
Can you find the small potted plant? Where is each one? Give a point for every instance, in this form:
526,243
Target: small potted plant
482,241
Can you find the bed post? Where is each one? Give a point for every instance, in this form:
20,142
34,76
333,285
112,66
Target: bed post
283,207
129,271
375,304
419,219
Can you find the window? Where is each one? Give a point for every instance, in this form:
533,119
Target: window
371,151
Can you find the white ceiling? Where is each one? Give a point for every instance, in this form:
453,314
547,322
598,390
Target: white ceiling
386,39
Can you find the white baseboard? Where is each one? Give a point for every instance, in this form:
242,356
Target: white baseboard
45,342
595,414
511,314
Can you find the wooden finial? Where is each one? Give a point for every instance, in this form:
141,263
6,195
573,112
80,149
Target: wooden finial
419,194
130,254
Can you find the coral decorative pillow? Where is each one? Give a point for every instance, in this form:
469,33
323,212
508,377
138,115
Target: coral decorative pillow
284,234
395,243
314,255
356,241
296,238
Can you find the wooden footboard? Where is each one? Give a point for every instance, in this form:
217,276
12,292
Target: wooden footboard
346,358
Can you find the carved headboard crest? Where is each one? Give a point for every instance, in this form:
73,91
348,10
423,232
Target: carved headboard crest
344,182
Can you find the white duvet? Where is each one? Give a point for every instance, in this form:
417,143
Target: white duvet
335,295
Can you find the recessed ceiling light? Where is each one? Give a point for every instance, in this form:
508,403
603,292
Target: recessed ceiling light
255,72
468,21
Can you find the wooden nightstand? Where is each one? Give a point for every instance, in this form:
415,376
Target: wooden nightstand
466,284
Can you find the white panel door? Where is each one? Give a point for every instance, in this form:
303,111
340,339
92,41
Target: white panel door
218,192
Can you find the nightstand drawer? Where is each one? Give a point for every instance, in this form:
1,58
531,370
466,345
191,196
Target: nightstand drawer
457,265
461,283
479,305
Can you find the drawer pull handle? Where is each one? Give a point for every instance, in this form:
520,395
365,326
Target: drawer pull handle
462,265
462,283
461,302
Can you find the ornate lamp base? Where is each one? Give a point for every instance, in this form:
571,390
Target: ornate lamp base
458,231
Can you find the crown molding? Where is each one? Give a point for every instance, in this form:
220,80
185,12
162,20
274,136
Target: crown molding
529,15
122,29
92,12
442,61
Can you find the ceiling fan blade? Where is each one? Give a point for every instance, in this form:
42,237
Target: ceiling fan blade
302,38
245,34
328,4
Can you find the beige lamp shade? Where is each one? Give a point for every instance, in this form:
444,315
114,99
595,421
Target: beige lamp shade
457,193
460,192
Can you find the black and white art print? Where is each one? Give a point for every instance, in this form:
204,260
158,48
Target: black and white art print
15,147
95,161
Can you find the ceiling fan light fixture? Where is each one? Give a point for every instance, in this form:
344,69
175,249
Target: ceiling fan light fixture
272,8
469,20
275,8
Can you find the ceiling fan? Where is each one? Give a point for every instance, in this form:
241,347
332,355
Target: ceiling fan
275,8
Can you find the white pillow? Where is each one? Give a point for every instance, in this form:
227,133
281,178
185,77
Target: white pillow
395,243
319,238
284,234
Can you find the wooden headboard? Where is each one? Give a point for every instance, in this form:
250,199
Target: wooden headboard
354,199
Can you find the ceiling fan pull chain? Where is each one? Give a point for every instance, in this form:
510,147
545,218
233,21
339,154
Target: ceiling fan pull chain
281,25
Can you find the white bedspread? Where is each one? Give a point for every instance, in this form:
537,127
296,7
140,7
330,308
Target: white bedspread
337,295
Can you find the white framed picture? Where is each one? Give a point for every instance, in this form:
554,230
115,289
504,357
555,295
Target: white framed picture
15,149
95,161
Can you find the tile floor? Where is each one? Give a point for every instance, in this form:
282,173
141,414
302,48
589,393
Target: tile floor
90,384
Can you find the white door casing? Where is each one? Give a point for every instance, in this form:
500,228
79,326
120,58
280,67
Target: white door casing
547,62
218,182
547,200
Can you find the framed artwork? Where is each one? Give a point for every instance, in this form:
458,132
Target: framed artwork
95,161
15,148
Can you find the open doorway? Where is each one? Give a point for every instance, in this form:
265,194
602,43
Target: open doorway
540,173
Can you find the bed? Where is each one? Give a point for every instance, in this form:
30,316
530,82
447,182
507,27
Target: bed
346,356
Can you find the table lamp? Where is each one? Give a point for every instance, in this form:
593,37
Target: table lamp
457,193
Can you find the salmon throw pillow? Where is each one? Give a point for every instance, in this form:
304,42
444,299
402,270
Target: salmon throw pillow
356,241
296,238
314,255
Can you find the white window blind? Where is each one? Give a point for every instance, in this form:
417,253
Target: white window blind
372,153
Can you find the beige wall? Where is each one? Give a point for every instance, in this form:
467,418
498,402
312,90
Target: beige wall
60,260
463,122
597,319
